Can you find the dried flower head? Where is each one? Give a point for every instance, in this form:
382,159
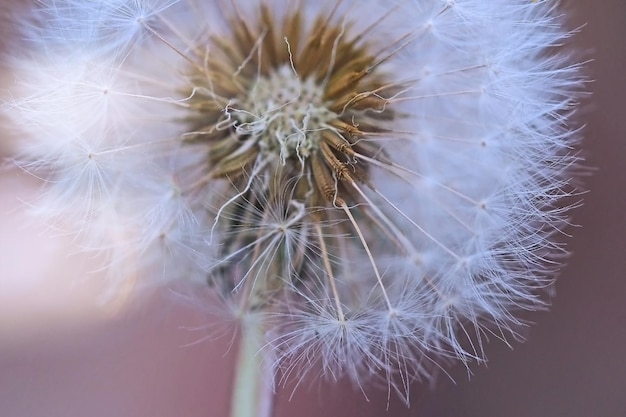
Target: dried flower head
377,185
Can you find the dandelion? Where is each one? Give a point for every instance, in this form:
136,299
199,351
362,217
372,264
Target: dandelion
373,189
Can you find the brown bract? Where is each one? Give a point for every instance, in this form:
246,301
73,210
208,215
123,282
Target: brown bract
326,101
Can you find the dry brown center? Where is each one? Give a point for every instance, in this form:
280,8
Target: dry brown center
302,101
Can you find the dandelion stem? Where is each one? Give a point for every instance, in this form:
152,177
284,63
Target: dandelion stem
253,392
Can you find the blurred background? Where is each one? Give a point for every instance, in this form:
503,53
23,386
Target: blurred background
62,353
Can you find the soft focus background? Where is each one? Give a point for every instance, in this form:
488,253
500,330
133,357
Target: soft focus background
62,353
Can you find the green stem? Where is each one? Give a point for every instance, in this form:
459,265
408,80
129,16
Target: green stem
253,392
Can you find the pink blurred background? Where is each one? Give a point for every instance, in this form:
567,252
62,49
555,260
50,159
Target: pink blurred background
61,354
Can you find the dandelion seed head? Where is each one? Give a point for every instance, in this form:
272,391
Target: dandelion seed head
380,184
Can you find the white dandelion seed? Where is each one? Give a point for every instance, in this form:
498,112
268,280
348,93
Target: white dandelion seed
375,188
